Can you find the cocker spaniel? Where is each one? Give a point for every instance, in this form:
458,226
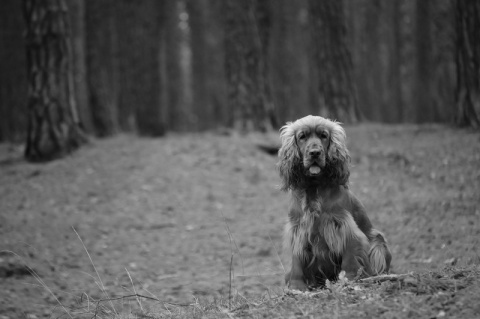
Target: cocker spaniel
328,229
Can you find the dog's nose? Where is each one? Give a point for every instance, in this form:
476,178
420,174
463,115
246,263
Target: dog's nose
314,153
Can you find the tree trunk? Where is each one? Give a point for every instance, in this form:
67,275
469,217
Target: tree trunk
248,86
395,102
53,124
443,72
422,87
215,59
174,110
408,58
101,72
126,109
468,63
336,97
141,87
289,55
262,15
76,10
13,74
202,108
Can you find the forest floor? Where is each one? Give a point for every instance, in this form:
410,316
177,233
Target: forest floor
175,218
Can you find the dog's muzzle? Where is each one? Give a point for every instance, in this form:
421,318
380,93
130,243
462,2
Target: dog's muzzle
315,162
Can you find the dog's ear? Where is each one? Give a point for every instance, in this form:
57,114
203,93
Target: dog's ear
338,158
289,157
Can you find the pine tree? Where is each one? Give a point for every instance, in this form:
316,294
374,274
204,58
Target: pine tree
468,63
53,125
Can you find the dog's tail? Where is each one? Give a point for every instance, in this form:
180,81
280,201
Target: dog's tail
379,254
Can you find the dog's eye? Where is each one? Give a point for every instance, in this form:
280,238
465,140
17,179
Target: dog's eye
324,135
301,136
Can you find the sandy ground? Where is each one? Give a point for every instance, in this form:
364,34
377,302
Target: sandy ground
178,214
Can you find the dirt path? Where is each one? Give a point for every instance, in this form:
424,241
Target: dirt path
160,208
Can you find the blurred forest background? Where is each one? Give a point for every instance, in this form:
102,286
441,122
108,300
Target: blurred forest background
99,67
167,213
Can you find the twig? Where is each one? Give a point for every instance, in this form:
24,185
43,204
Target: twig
144,297
88,300
151,294
134,290
230,285
382,278
232,240
95,268
232,243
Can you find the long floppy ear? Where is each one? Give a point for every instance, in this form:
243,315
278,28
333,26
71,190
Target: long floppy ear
338,158
289,164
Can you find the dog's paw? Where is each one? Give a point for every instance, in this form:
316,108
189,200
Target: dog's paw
352,275
297,285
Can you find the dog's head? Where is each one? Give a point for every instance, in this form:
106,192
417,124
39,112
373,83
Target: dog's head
313,151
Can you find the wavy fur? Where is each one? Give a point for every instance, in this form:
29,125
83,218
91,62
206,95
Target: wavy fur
327,229
290,165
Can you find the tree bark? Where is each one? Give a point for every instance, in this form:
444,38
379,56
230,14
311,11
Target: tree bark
202,108
13,74
76,10
53,123
395,101
335,94
101,72
174,110
422,86
443,72
289,59
245,66
215,59
468,63
141,86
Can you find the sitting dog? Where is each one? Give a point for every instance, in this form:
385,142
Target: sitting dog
328,229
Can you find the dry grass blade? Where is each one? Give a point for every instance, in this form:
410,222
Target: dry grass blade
232,240
96,271
134,290
230,284
278,255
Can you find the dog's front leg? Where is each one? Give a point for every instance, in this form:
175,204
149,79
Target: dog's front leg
355,258
295,278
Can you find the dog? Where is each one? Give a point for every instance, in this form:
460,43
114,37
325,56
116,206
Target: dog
328,230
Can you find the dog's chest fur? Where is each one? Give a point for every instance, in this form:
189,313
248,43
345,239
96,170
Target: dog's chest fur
312,225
